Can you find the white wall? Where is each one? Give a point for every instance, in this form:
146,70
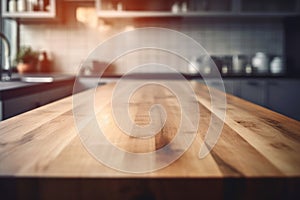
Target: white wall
70,42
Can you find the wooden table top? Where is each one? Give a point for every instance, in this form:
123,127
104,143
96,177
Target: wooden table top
255,142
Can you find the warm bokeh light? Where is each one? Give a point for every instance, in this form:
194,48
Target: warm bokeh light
87,16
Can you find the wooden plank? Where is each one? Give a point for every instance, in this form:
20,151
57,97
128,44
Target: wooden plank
255,142
255,125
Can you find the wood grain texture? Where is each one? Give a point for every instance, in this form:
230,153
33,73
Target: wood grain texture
255,142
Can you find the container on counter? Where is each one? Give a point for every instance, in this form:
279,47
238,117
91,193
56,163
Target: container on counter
226,65
248,69
276,66
205,63
193,67
239,63
260,63
44,63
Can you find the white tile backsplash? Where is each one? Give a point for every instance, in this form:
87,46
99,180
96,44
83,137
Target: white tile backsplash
70,44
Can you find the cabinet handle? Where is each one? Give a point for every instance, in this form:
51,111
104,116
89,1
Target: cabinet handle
252,83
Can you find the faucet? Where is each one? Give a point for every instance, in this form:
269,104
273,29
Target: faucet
7,65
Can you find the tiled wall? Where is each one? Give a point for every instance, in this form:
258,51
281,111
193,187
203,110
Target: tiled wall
71,42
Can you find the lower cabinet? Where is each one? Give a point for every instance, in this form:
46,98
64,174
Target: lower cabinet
229,85
253,91
284,97
280,95
55,94
14,106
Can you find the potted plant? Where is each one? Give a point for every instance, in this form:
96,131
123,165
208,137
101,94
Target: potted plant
26,60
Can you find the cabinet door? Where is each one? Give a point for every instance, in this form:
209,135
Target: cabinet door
232,86
15,106
229,85
253,91
55,94
284,97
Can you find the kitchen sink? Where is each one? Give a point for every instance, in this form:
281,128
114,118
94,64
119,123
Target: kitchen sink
25,80
36,78
31,79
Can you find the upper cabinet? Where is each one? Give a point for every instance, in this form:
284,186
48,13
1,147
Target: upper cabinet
270,7
196,8
29,9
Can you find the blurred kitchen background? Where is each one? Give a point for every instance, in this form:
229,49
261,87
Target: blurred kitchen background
220,27
254,43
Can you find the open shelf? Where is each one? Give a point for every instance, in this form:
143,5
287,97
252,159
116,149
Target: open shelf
32,15
231,8
128,14
136,14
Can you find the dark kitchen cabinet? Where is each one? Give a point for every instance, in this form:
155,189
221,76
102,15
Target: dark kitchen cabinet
230,86
284,97
279,95
253,90
14,106
18,97
55,94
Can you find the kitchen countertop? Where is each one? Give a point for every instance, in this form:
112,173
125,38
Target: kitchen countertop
256,144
